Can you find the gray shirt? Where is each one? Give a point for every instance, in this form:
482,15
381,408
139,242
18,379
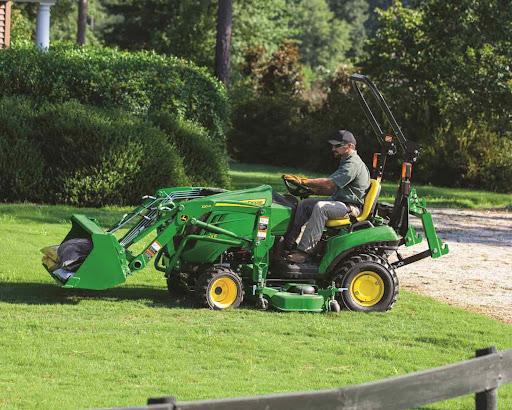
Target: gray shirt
352,180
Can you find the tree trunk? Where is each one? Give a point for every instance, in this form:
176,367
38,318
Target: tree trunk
81,22
222,47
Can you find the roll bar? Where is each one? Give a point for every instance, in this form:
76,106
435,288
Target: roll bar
409,148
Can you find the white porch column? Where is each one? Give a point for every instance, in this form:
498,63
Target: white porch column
43,24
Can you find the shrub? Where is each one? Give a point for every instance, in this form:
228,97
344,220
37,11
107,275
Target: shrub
138,82
265,130
471,156
98,156
81,155
21,162
280,73
205,163
281,130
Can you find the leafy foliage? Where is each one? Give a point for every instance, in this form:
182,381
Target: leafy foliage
445,62
21,27
355,13
323,39
21,162
71,153
472,156
184,29
187,28
101,156
63,21
282,73
205,163
137,82
445,67
82,155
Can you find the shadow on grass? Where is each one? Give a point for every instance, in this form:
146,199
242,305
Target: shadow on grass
48,294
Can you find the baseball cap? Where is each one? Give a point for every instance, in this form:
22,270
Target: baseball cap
342,137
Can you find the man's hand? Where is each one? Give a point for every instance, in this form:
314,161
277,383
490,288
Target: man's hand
295,179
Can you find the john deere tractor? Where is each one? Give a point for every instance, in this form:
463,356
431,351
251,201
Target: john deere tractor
222,247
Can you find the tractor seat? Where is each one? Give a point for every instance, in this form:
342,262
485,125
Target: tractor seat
370,201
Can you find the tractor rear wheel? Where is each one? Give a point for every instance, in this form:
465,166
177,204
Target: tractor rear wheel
372,284
219,288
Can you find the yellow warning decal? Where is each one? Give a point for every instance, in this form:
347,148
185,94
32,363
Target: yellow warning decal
239,205
250,202
254,201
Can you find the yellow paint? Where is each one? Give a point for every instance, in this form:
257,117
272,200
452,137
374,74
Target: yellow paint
223,292
369,200
367,288
251,203
239,205
258,202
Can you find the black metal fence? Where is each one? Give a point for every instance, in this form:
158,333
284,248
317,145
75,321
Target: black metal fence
481,375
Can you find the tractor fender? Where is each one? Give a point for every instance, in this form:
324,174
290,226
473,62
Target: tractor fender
340,246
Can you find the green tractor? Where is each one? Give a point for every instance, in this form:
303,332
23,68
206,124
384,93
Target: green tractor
222,246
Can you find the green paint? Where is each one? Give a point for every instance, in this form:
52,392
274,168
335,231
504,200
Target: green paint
191,228
345,240
106,266
418,208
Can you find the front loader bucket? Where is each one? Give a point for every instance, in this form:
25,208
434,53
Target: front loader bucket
105,266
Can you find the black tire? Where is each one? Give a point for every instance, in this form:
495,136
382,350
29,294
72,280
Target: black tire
219,289
371,281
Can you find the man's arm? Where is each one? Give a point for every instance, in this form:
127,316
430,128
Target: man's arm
321,186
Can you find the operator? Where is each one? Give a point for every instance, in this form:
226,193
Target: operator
347,187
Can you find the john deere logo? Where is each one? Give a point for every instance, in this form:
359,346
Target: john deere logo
184,218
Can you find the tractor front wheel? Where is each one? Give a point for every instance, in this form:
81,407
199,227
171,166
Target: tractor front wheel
371,283
219,288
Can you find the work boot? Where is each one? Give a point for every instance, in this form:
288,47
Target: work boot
297,256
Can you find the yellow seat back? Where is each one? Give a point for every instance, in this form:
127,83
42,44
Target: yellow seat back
369,204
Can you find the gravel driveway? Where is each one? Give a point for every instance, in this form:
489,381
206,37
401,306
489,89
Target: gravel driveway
477,272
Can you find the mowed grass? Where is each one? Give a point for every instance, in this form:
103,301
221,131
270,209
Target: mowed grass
250,175
64,349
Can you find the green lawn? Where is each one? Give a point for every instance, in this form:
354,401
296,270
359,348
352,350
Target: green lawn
248,175
63,349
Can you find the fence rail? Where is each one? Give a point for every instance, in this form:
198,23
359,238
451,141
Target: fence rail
481,375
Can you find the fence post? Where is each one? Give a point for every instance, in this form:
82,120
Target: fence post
488,399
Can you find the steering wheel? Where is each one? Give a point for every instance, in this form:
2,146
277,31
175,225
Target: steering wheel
302,191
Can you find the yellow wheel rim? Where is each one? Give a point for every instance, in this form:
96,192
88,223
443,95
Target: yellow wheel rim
367,288
223,292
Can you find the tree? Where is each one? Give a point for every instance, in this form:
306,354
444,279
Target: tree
355,14
450,61
187,28
445,68
223,45
323,39
81,22
183,28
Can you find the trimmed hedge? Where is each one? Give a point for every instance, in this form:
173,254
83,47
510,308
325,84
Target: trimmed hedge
82,155
205,163
21,161
139,82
